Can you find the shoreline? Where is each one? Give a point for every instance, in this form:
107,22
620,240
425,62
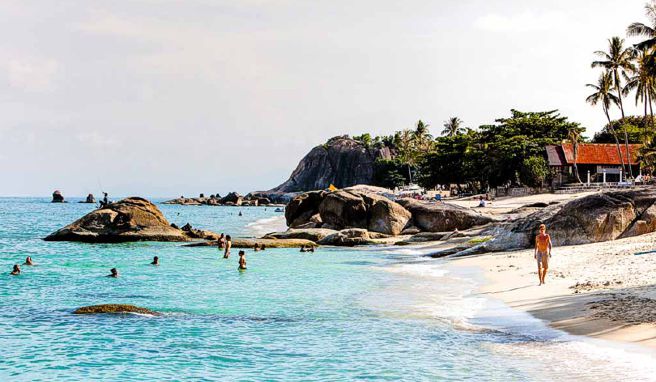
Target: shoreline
599,290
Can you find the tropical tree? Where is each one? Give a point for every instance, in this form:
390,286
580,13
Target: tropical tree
641,80
453,126
649,31
618,60
602,94
574,136
422,138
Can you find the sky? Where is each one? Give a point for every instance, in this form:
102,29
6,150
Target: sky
161,98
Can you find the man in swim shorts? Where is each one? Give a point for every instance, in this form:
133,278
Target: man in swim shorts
542,252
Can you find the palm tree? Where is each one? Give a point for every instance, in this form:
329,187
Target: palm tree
618,60
640,29
642,81
453,127
423,140
574,136
604,96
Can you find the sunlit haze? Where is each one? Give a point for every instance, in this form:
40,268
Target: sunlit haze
163,98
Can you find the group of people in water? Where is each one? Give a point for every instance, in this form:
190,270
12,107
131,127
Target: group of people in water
17,269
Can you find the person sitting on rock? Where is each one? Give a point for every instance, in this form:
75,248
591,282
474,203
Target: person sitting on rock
155,261
114,273
221,241
105,201
16,271
228,245
482,202
28,261
242,260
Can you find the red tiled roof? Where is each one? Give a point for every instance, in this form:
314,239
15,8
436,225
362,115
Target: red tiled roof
599,153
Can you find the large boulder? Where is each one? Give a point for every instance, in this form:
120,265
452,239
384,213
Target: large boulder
234,197
385,216
594,218
441,217
57,197
303,207
131,219
348,238
90,199
342,161
312,234
343,209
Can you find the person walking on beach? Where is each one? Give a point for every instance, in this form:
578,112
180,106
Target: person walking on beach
228,245
242,260
542,252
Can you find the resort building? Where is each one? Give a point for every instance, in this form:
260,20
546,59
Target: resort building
600,160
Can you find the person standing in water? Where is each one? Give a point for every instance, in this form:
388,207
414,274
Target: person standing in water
542,252
155,261
228,245
221,241
242,260
16,271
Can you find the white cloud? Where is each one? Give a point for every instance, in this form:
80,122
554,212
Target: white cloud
32,75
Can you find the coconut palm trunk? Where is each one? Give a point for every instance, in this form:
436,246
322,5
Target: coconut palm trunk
617,141
626,133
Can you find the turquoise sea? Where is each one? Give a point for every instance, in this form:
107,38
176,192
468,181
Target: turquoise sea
335,315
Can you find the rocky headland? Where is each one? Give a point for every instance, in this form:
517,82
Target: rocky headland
231,199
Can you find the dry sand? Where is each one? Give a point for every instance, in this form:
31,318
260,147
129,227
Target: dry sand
600,290
504,205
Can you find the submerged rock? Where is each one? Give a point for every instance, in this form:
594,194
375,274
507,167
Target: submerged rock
57,197
312,234
114,309
131,219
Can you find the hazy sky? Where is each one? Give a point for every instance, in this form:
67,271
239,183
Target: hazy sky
162,98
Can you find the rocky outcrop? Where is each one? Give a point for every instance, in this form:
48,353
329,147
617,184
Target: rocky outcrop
348,237
594,218
90,199
346,209
232,199
114,309
273,197
250,243
441,217
342,161
131,219
57,197
312,234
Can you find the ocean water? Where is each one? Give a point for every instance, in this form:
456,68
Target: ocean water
335,315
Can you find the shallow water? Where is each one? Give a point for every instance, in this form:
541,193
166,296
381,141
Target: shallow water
337,314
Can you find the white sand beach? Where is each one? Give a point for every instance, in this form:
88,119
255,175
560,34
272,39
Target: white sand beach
601,290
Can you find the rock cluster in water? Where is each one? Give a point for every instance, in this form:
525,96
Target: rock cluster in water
130,219
57,197
231,199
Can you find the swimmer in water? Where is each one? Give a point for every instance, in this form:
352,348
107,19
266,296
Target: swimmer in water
221,241
16,270
240,213
228,245
256,248
155,261
242,260
28,261
114,273
262,247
